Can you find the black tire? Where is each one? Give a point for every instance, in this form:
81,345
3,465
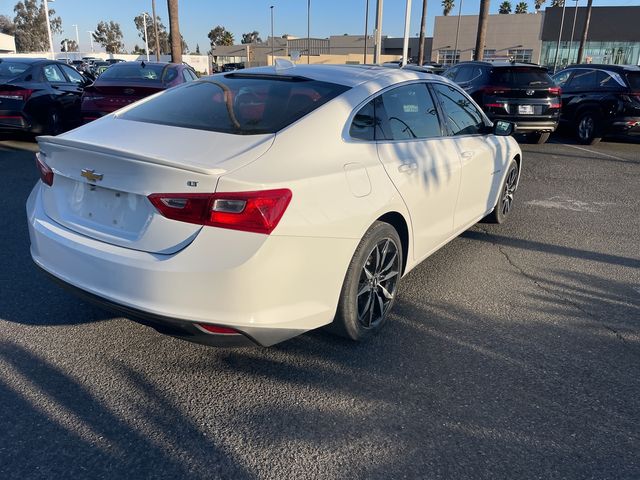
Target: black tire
53,123
539,138
364,300
589,128
507,191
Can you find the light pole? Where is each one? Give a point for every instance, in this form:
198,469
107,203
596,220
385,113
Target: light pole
146,41
272,50
308,32
405,44
77,37
46,16
366,29
378,44
90,39
555,62
573,29
455,49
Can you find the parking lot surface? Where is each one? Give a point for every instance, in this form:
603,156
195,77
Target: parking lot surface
513,352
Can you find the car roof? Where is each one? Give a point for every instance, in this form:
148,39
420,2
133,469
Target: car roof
347,75
501,64
24,60
604,66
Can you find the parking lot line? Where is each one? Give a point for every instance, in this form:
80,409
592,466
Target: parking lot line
596,153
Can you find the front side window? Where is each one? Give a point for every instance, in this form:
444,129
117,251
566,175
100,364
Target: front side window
237,104
53,74
410,113
462,116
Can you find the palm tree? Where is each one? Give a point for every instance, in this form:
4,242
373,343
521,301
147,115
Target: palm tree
522,7
505,7
585,30
423,20
557,3
482,29
174,32
447,6
537,4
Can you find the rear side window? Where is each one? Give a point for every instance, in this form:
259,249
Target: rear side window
634,80
562,77
12,69
462,117
237,104
411,113
73,75
364,123
53,74
451,73
583,79
521,77
129,72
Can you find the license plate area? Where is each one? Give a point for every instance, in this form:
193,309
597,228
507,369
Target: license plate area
525,109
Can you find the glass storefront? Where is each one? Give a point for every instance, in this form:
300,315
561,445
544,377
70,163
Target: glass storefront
617,53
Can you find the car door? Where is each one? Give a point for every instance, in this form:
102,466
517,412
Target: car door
421,161
561,79
75,88
481,154
65,94
580,92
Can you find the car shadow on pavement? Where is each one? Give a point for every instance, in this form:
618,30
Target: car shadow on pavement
54,427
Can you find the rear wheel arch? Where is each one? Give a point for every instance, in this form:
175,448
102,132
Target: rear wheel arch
398,222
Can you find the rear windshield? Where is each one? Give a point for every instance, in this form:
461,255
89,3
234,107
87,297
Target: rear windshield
13,69
148,73
634,80
236,104
521,76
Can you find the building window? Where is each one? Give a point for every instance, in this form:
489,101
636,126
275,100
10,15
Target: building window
448,57
521,54
489,54
625,53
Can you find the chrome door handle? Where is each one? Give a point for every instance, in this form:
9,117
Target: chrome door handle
408,167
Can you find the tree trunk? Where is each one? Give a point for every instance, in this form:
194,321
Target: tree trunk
482,29
585,30
422,27
155,29
174,32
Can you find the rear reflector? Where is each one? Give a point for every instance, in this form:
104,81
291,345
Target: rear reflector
46,174
257,212
555,105
496,105
217,330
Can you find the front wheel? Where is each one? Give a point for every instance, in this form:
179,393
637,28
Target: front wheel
505,203
370,286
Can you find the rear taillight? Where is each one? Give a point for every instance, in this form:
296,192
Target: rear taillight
257,212
23,94
495,90
555,90
496,105
46,174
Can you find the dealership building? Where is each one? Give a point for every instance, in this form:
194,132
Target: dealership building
613,36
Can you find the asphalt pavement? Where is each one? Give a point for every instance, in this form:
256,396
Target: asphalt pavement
513,352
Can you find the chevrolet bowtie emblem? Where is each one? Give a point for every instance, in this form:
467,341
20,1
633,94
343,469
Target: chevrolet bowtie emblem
91,175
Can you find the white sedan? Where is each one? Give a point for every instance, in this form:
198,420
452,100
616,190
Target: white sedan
253,206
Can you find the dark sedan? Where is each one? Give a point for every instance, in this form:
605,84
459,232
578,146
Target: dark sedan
39,96
599,100
127,82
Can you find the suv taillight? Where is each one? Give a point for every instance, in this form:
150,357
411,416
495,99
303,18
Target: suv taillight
555,90
46,174
257,212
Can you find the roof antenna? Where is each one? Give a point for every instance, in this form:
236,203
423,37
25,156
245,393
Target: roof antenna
284,64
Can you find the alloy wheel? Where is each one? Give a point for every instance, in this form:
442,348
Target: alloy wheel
378,282
586,127
509,190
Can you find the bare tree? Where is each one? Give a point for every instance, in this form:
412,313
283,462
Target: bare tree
174,32
482,29
585,30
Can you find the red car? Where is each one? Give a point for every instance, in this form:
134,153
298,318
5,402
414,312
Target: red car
127,82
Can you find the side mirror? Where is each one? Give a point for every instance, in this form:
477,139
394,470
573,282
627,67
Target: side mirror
503,128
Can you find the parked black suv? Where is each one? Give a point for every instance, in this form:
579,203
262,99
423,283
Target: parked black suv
522,93
600,99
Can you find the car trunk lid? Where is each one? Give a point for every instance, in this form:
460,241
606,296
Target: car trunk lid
100,186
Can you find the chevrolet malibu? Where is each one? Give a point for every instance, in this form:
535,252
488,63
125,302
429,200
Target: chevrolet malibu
253,206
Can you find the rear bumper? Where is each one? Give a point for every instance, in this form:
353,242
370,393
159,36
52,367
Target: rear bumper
11,120
535,126
269,288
